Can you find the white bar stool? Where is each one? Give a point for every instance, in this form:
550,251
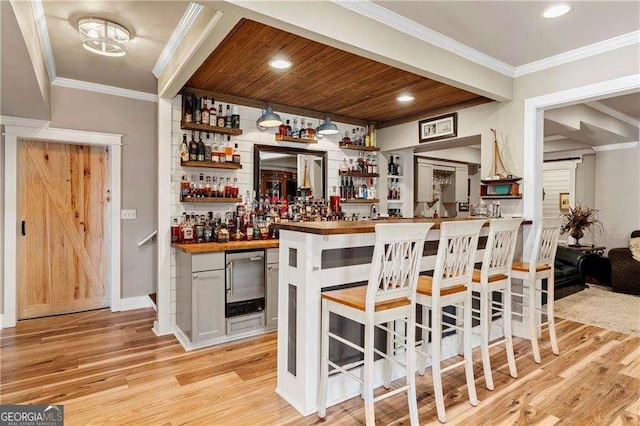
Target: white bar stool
539,267
495,276
450,285
389,296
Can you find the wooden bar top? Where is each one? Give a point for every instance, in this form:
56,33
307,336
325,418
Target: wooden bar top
231,245
361,226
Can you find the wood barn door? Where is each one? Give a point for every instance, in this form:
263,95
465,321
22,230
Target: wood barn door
62,257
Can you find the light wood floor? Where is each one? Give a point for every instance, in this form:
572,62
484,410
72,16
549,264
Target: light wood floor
111,369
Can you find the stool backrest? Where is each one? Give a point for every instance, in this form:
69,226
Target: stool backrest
546,242
396,262
501,246
456,254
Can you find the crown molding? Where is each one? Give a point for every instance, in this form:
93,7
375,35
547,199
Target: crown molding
613,113
186,22
580,53
399,22
43,33
615,146
8,120
107,90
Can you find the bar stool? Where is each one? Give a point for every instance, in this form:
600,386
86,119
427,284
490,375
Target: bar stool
539,267
389,296
495,276
450,285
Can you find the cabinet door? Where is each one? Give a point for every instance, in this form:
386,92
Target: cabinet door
272,295
461,185
208,304
424,183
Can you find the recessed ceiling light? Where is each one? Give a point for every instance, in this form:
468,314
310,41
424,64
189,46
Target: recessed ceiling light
405,98
556,11
280,64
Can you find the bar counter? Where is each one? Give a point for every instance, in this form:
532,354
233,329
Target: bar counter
230,246
320,256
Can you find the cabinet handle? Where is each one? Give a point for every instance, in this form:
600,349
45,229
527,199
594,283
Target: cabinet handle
270,267
230,278
24,228
195,276
254,259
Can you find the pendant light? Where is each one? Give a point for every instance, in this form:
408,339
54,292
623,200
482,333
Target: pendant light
268,119
318,135
328,128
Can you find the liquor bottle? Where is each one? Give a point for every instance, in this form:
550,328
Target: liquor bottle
398,167
214,149
188,107
282,130
351,188
208,229
213,113
187,230
208,147
236,189
200,190
197,111
289,130
346,140
201,148
199,229
311,132
207,187
204,113
390,167
220,116
227,117
228,151
193,148
175,231
184,188
303,130
235,117
184,148
342,187
236,154
295,130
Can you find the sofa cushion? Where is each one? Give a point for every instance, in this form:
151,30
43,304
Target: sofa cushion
566,271
634,246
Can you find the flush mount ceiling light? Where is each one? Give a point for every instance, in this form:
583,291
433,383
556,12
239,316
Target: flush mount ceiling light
327,128
556,11
103,37
268,119
280,64
405,98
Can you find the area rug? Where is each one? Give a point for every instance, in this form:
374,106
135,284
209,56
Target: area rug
599,306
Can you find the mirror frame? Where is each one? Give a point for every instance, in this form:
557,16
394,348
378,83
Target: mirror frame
257,149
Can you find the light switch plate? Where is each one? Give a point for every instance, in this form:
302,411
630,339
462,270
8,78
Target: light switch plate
128,214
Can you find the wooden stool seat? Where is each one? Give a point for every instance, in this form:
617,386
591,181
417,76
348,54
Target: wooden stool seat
524,266
425,286
477,274
356,297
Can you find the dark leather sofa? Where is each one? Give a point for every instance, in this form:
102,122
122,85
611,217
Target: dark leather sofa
570,268
625,270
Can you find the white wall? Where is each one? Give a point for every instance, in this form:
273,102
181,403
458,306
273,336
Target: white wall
251,136
617,195
586,181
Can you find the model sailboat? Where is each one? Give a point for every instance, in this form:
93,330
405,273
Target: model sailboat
500,183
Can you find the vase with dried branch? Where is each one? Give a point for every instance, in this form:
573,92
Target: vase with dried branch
579,219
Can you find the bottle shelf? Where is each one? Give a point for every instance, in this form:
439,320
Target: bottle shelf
211,165
207,200
211,129
502,197
280,138
395,201
359,174
395,177
359,147
360,201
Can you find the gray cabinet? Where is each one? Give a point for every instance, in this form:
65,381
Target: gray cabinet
424,182
272,296
461,179
200,296
208,305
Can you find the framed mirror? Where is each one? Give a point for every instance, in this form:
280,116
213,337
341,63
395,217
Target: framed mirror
289,172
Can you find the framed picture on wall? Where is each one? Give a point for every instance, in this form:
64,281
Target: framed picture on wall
441,127
564,201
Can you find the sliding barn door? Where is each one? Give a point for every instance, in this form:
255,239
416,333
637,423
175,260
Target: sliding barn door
62,200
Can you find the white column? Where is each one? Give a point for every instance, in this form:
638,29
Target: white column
162,325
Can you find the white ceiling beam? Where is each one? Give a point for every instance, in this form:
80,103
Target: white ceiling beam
576,116
613,113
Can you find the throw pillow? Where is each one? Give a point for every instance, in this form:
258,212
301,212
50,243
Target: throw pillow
634,245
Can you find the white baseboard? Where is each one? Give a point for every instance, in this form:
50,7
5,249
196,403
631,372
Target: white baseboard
131,303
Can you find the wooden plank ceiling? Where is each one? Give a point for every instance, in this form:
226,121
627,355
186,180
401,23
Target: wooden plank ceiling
322,79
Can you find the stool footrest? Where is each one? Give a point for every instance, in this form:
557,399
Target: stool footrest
346,342
498,342
452,366
345,371
390,393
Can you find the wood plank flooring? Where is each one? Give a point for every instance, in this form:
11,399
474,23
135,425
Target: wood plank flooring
109,368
